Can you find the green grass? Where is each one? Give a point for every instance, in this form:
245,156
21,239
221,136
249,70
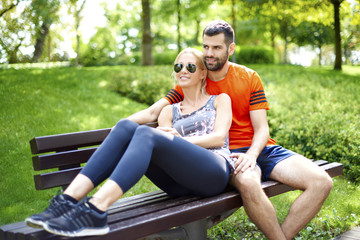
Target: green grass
313,111
37,102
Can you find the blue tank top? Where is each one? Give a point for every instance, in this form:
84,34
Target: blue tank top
198,123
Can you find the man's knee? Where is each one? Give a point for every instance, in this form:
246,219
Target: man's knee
246,183
324,183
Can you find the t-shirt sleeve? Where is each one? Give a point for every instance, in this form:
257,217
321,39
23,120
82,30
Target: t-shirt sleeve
258,99
175,95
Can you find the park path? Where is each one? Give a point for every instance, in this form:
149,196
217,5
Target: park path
353,234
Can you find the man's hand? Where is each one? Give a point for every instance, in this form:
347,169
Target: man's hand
170,130
243,162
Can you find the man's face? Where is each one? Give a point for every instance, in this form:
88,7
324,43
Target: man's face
215,52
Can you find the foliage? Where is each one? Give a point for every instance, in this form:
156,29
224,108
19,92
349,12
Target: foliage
146,85
255,54
165,58
313,113
271,23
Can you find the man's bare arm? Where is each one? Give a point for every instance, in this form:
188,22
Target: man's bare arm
149,114
259,141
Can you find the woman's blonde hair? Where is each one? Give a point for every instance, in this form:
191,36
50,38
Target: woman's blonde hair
199,63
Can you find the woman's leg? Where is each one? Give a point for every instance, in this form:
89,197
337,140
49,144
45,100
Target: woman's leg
197,169
103,161
201,171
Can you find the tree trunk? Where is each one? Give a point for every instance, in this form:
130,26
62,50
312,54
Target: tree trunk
39,45
197,33
320,55
77,25
338,56
233,25
146,37
178,25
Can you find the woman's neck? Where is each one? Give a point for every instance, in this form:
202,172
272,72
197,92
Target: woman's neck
193,100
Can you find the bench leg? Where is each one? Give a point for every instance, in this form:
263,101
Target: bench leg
196,230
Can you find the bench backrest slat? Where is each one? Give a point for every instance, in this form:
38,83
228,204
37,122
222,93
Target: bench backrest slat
55,179
67,156
62,159
70,141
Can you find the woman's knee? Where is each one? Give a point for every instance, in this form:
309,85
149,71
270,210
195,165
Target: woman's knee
144,132
125,125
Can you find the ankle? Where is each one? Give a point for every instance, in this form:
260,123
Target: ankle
70,198
98,204
93,207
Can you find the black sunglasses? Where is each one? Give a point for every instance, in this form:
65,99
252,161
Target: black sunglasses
190,67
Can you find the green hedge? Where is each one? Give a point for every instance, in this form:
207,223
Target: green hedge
142,84
315,112
254,54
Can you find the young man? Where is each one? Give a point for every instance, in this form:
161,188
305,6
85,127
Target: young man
258,156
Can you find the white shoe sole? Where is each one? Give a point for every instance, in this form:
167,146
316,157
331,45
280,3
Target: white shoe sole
34,223
80,233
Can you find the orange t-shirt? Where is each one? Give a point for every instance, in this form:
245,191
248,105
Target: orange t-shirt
246,91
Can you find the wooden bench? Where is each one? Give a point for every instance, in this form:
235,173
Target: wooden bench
152,215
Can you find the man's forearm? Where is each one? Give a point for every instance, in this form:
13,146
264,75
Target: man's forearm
258,143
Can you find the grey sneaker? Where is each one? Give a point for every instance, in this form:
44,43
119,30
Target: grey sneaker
80,221
58,206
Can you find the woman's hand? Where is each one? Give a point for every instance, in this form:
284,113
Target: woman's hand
170,130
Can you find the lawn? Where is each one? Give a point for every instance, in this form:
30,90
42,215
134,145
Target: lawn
309,109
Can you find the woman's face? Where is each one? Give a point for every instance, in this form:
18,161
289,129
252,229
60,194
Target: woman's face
184,77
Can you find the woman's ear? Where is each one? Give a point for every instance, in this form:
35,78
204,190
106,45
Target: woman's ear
204,74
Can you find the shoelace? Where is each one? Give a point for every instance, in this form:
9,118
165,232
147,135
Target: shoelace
53,204
77,211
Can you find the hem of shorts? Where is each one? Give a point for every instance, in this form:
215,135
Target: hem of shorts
279,160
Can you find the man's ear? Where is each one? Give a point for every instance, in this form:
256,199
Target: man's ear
231,48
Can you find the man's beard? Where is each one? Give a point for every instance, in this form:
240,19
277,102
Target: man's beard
220,62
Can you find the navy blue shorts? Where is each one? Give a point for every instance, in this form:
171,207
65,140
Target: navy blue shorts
268,158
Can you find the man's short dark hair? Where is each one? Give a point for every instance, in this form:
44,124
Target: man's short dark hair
219,26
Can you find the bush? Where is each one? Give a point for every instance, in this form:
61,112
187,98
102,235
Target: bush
254,54
142,84
165,58
313,113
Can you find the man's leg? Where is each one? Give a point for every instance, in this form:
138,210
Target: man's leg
256,204
301,173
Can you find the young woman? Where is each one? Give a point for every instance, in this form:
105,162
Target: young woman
187,154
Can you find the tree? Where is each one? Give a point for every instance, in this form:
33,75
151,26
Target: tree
45,13
76,9
338,61
13,31
233,16
314,34
178,4
146,34
8,6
